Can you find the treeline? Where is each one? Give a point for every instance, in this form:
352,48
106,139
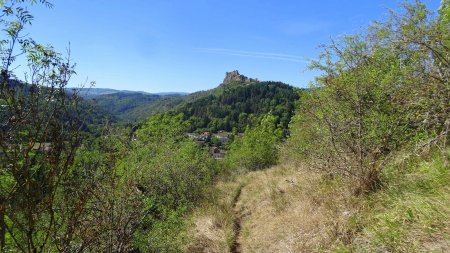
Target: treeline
381,90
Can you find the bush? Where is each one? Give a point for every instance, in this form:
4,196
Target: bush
379,91
172,173
257,148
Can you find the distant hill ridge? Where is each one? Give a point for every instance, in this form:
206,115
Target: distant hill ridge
231,104
89,93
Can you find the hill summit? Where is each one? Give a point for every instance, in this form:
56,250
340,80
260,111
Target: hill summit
234,76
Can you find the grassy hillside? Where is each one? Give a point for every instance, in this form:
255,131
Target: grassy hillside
289,208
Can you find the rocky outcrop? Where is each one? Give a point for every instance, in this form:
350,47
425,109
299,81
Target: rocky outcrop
234,76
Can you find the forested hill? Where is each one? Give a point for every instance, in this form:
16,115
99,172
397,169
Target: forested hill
237,104
129,106
89,93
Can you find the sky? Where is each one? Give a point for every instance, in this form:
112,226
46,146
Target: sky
187,46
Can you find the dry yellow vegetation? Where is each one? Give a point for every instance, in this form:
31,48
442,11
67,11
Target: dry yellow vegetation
289,208
282,209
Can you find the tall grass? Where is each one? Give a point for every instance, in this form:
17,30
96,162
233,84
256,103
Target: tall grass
412,212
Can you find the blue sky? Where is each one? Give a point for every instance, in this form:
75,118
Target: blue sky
180,45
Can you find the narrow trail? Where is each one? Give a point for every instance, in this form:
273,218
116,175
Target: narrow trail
236,246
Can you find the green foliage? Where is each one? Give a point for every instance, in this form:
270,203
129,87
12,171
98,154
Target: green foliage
105,201
57,194
116,189
162,128
172,173
129,106
257,149
39,136
234,105
413,209
237,105
379,91
444,11
215,142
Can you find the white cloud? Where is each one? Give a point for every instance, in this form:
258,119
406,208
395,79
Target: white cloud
252,54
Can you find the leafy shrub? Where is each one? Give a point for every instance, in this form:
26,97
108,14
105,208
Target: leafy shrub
257,148
378,91
172,172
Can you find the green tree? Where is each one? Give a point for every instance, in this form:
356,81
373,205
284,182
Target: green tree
257,149
56,195
379,90
39,134
172,173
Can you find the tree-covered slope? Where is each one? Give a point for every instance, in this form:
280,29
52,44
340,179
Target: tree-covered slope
232,105
238,104
135,106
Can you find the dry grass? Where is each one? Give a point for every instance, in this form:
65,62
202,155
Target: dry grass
282,209
212,225
209,236
289,209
